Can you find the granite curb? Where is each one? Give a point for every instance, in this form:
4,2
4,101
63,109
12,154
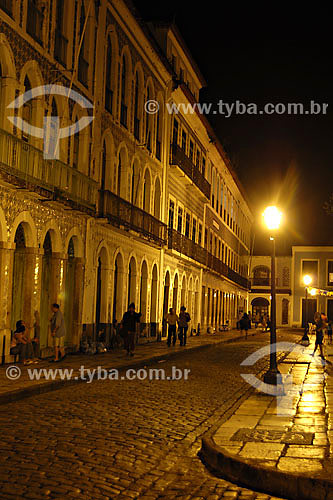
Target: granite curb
16,395
259,478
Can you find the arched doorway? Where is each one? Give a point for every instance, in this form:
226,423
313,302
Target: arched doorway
101,313
48,294
260,306
165,302
118,291
22,279
131,287
154,302
143,293
175,293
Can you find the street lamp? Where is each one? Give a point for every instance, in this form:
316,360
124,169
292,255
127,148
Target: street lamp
307,280
272,218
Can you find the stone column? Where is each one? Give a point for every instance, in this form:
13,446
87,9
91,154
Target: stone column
6,280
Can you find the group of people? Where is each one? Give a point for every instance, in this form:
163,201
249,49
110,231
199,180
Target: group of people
27,347
173,320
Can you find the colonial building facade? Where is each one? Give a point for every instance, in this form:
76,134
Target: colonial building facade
140,205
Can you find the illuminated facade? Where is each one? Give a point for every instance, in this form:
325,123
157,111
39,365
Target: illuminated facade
138,207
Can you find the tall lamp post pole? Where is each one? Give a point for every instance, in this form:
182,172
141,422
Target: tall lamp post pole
307,280
272,217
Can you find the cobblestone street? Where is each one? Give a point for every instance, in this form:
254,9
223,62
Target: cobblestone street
126,439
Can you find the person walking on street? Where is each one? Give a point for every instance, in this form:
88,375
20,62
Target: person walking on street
58,332
256,320
129,325
183,320
319,334
171,320
244,324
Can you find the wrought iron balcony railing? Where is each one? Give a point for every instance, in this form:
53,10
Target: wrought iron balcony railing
25,165
35,22
60,47
183,245
120,212
179,158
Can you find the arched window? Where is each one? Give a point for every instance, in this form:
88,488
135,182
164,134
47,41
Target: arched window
261,276
159,131
83,67
108,78
60,40
148,133
136,108
27,109
123,105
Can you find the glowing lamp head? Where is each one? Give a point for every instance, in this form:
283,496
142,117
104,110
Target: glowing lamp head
307,280
272,217
313,292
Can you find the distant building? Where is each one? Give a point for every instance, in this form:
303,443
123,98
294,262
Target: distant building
260,296
291,307
317,262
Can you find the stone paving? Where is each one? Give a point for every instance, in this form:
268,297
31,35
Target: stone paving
127,439
115,359
293,433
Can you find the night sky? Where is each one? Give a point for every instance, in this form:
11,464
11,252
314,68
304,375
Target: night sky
256,55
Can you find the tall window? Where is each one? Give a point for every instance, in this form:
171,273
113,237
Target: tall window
108,78
175,131
194,229
180,220
27,109
136,108
187,225
123,106
83,57
148,123
60,40
184,140
330,273
35,21
310,267
171,214
159,131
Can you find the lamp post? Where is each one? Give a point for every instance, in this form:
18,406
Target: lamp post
307,280
272,218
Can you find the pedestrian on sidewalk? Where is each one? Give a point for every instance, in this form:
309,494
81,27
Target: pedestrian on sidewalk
20,346
32,344
129,325
244,324
58,332
319,334
171,320
183,320
250,319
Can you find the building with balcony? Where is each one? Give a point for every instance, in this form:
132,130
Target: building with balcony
135,206
260,296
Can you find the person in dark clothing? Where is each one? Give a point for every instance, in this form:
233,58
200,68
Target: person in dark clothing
129,325
244,324
183,320
172,319
319,334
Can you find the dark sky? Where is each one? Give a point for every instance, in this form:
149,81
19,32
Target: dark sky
268,54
